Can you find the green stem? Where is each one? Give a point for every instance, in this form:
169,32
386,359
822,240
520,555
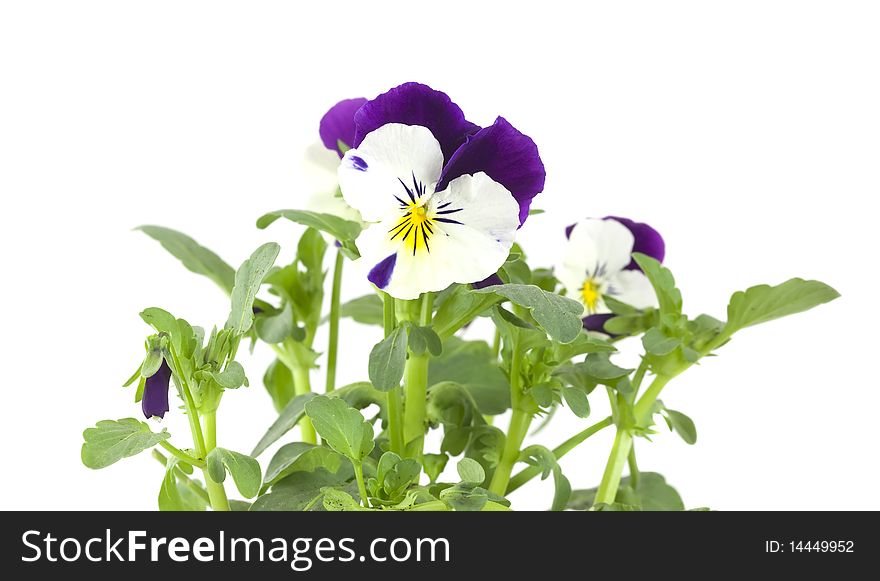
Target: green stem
516,433
394,396
302,385
559,451
333,341
192,413
623,442
181,476
496,344
216,491
415,383
181,455
362,488
634,473
607,491
519,421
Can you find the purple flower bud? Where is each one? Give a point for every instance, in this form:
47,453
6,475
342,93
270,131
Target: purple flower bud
155,398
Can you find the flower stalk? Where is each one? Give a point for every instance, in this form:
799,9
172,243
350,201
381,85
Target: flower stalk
415,382
333,340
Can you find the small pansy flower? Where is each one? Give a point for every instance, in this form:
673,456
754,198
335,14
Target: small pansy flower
154,401
442,197
598,263
321,161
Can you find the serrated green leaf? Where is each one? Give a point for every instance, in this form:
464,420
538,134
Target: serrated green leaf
421,339
387,360
248,279
763,303
298,457
544,459
277,327
342,230
110,441
653,494
245,471
560,317
194,256
342,427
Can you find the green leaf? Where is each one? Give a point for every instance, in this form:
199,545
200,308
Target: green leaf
245,471
195,257
178,493
342,230
470,471
682,425
299,457
661,278
421,339
434,465
367,310
577,401
336,500
560,317
472,365
248,279
657,343
232,377
110,441
387,360
311,249
342,427
393,476
304,490
288,418
543,458
277,327
465,497
763,303
653,494
278,381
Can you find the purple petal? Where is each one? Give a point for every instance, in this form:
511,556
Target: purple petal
507,156
155,398
647,240
338,124
597,322
381,273
491,280
416,104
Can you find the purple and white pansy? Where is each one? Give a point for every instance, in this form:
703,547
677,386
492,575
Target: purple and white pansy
442,197
598,263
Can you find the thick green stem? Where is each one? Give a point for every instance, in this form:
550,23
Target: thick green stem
189,403
617,459
559,451
216,491
516,433
333,341
415,383
302,385
394,396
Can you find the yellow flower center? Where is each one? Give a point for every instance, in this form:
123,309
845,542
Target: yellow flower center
414,229
591,295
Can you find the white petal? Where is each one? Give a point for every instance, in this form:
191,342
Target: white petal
387,162
633,288
474,246
596,249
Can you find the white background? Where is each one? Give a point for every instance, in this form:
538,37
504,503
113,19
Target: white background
748,133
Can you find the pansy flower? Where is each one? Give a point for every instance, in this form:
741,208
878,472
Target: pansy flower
154,402
321,161
598,263
441,196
